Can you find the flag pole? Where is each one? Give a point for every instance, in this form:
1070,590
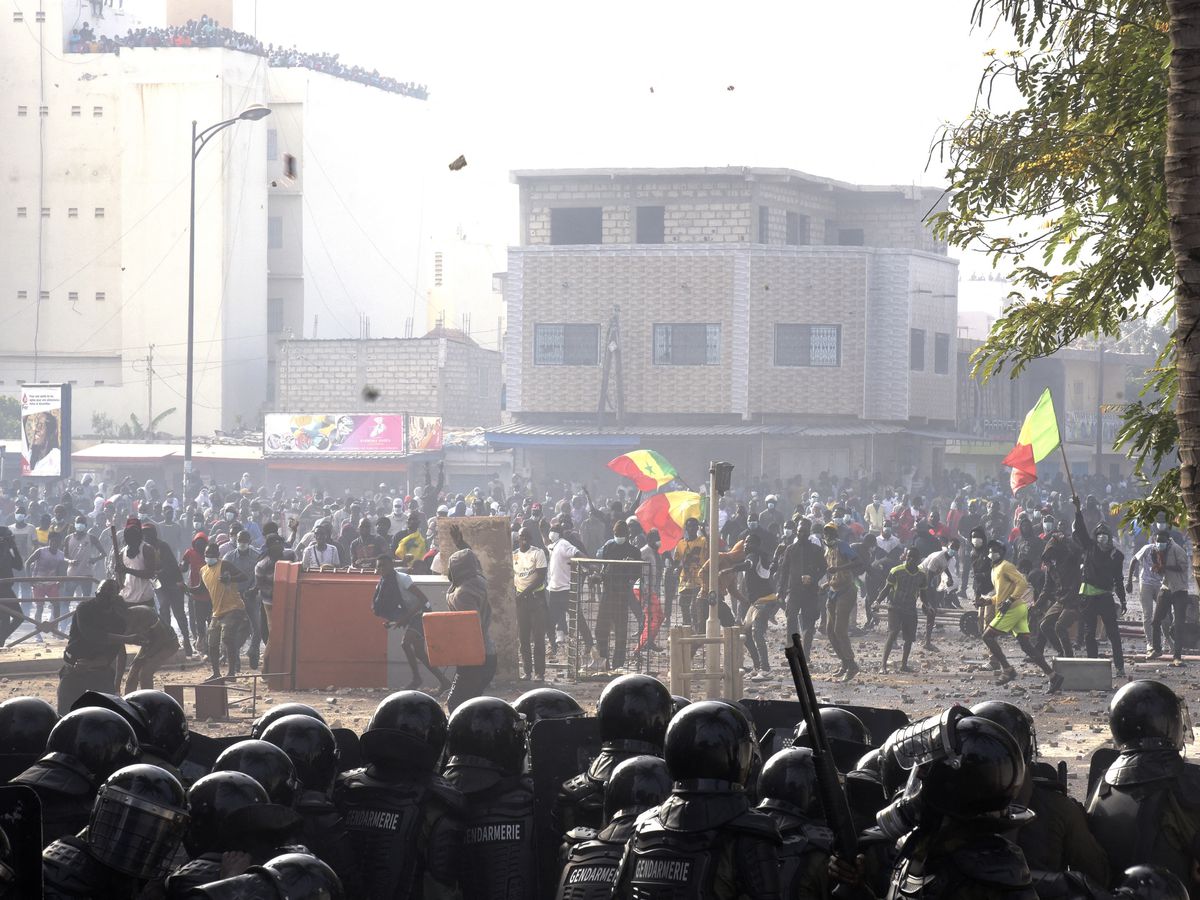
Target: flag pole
1062,447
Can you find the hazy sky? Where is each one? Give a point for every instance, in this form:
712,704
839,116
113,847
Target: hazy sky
855,91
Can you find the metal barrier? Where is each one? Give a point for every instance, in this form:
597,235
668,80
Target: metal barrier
12,605
606,595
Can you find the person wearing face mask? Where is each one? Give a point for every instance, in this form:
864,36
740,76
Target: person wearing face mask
227,523
199,603
935,566
902,588
242,557
23,534
616,595
1146,567
981,574
1012,597
770,519
227,627
689,555
1171,560
529,581
841,567
322,551
1101,586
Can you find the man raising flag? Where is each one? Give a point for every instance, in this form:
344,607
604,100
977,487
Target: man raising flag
1039,438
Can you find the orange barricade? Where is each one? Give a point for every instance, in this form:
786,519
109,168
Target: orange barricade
454,639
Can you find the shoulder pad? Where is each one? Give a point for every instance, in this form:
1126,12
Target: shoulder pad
993,860
581,785
819,836
758,824
447,793
581,834
68,867
60,779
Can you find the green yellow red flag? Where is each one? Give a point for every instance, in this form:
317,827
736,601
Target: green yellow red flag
647,469
1039,438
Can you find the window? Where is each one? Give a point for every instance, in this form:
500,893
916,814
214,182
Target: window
99,212
39,16
43,110
72,212
941,354
22,212
100,296
22,110
22,295
275,233
73,296
18,17
850,237
808,345
579,225
76,111
97,112
797,229
764,224
45,212
566,345
651,227
272,144
45,295
274,315
687,345
916,350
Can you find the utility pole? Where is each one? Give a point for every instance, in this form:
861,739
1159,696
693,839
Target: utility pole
1099,406
149,390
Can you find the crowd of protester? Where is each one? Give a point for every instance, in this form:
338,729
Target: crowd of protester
207,32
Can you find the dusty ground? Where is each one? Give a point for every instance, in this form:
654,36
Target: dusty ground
1070,725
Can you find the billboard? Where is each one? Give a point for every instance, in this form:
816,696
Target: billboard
46,430
333,434
424,433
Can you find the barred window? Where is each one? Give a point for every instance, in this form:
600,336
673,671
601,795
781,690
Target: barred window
687,345
566,345
808,345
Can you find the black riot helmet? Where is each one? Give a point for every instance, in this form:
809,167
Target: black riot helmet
1148,715
546,703
486,733
984,775
634,711
678,702
636,785
1150,883
166,729
99,739
217,803
791,777
298,876
1015,721
278,711
25,723
710,740
311,747
138,821
848,737
266,764
408,729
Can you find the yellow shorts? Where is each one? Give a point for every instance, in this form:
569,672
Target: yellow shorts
1014,621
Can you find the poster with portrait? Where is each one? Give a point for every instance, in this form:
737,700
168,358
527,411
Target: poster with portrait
424,433
46,430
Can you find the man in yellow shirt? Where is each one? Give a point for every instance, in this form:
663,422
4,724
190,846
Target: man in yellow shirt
690,554
229,624
1012,596
410,544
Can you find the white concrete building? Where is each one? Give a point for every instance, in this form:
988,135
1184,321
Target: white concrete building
94,220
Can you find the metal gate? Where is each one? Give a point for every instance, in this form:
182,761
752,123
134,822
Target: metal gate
615,609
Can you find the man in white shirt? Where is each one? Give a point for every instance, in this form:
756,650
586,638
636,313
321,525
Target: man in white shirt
558,585
874,515
322,551
529,580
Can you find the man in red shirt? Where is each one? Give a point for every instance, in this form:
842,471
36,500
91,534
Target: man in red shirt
199,603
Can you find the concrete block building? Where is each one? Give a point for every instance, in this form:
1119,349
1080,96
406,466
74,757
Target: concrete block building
792,323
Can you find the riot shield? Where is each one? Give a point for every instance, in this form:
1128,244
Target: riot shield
203,751
1102,758
845,754
785,714
21,822
558,749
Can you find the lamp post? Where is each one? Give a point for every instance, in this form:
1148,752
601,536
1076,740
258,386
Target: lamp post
720,474
199,140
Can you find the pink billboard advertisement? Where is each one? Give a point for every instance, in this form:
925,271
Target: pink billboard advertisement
327,435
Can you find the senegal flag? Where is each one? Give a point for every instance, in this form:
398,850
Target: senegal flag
1038,439
645,468
667,512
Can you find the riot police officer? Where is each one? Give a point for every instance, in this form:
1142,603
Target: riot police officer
1058,837
405,820
311,747
137,823
290,876
485,746
592,857
227,809
1145,810
704,840
633,712
788,785
25,723
83,749
266,764
849,737
278,711
546,703
166,738
1150,883
966,773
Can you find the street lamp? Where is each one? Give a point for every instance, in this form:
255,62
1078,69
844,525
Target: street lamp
199,139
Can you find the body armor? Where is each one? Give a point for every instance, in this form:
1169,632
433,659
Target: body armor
387,819
703,841
580,802
70,871
325,834
593,859
66,791
204,869
1126,810
981,865
497,858
804,856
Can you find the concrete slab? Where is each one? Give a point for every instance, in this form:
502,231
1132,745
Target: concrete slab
1084,674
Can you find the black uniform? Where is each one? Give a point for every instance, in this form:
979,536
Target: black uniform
954,864
592,859
70,872
1100,570
804,856
324,833
1058,838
